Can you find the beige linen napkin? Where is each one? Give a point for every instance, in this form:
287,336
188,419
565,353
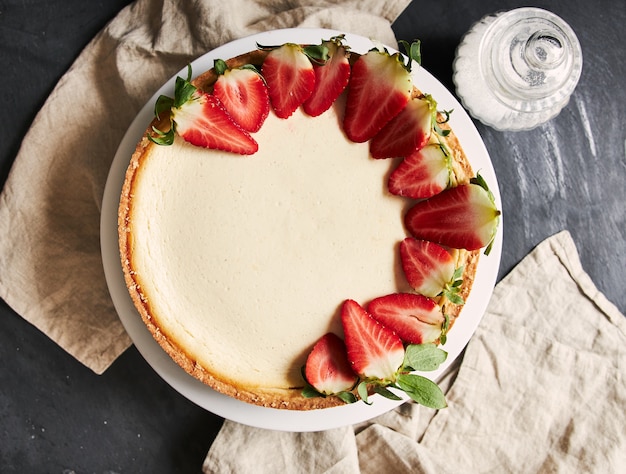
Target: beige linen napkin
541,388
50,266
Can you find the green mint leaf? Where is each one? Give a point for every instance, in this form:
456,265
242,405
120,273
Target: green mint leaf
424,357
347,397
422,390
385,392
309,392
362,390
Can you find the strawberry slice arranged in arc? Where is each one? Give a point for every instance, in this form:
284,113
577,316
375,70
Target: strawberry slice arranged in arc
203,121
327,368
243,93
422,174
200,119
415,318
290,77
463,217
408,131
331,78
430,269
380,87
374,351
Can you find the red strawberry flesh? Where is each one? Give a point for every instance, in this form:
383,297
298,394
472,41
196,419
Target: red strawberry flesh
464,217
422,174
415,318
331,78
406,133
380,87
244,95
374,351
203,121
290,78
327,368
428,267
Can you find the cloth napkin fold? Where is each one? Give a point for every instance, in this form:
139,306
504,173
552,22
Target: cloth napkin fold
541,388
50,265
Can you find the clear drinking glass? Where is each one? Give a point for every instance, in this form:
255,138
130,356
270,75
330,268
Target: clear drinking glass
515,70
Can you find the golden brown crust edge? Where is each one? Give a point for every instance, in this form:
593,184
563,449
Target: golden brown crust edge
277,398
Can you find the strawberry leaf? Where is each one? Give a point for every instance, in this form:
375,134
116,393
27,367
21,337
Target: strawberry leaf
422,390
445,327
480,181
318,53
413,51
163,104
220,66
452,289
183,90
424,357
162,138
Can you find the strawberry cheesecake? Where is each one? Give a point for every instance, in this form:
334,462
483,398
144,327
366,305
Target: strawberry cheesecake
299,227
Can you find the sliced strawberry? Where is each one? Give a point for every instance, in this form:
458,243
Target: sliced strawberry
407,132
203,121
463,217
380,87
422,174
244,95
290,78
331,78
430,269
327,368
415,318
200,119
374,351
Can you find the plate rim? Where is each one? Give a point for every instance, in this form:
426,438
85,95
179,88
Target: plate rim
231,408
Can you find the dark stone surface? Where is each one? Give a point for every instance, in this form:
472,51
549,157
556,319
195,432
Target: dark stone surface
57,416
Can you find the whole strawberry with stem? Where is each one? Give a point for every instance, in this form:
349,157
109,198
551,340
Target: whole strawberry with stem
200,119
380,87
462,217
243,93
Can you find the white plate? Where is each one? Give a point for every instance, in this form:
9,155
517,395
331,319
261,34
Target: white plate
230,408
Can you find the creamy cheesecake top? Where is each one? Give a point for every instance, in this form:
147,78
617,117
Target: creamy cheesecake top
244,261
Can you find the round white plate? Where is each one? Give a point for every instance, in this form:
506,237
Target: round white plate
230,408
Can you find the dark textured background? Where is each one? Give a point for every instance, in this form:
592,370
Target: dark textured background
57,416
